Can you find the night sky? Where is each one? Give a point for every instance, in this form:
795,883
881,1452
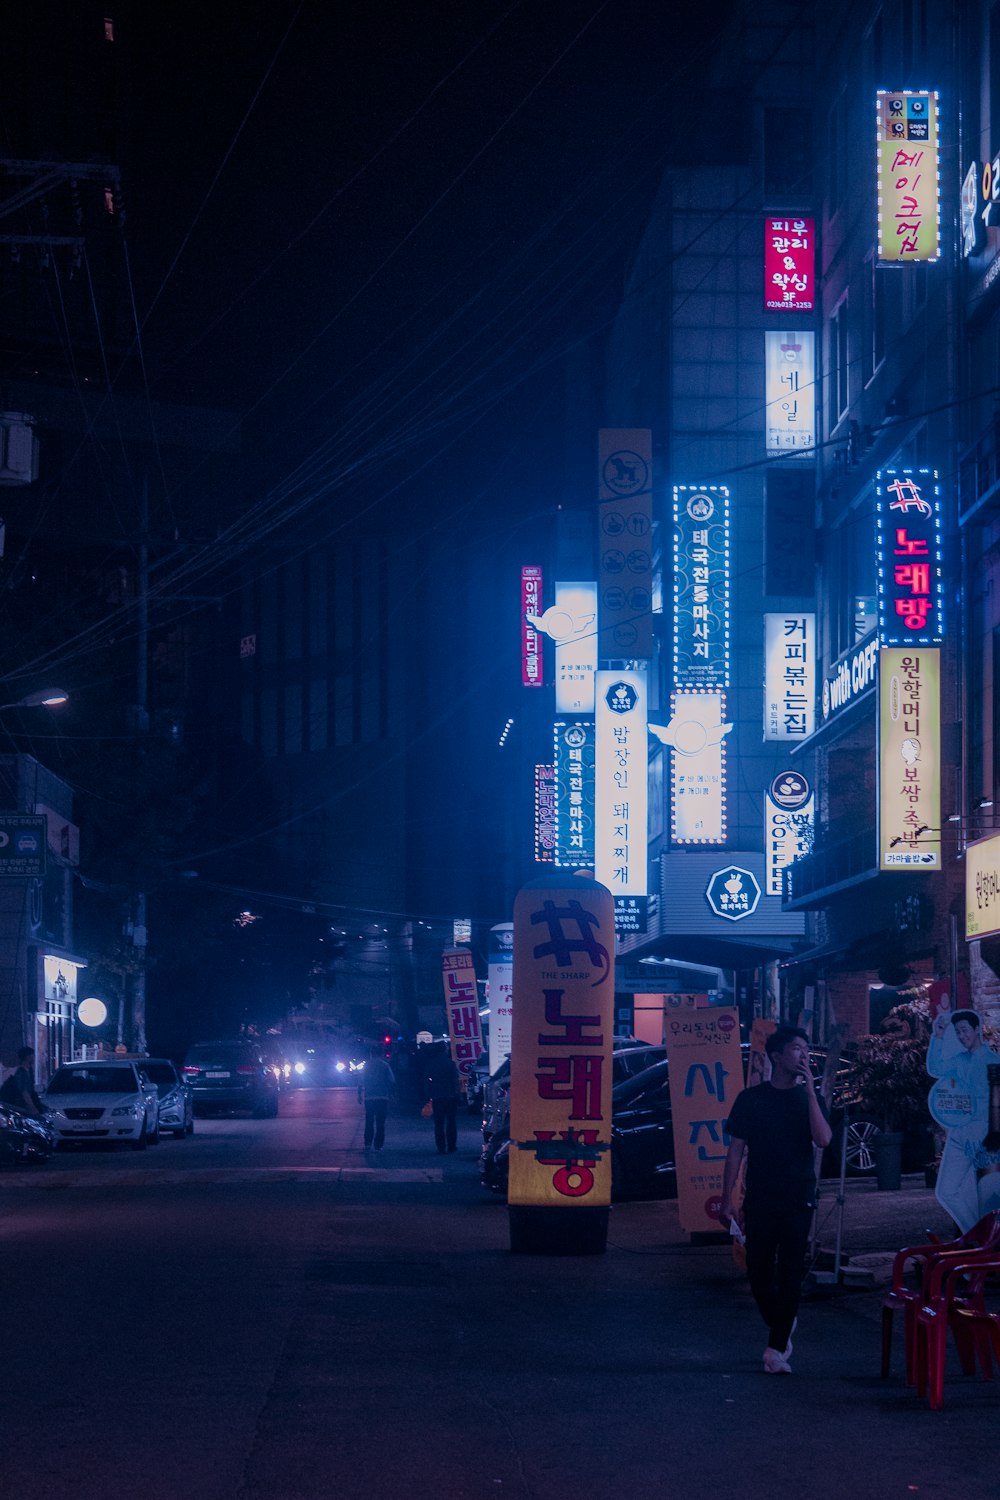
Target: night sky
378,227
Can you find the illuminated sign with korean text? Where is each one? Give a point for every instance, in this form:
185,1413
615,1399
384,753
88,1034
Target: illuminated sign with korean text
500,969
625,522
701,586
789,675
461,1003
909,760
695,735
909,189
572,623
790,810
621,782
562,1040
789,265
705,1064
545,814
982,887
531,639
790,392
908,556
851,676
574,794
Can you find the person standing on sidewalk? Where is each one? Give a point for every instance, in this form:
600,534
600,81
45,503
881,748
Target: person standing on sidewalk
777,1125
375,1089
444,1089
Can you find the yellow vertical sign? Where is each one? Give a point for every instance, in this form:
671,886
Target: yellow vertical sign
909,753
909,208
562,1044
982,887
706,1073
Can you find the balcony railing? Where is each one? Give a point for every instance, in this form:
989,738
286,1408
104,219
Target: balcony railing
832,866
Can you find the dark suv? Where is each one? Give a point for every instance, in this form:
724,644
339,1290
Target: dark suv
232,1075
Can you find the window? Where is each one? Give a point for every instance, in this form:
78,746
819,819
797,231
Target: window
837,129
875,320
786,153
837,383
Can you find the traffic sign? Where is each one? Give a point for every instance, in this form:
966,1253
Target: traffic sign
23,839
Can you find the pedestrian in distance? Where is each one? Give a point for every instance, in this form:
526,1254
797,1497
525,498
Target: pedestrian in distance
19,1089
777,1125
374,1091
444,1089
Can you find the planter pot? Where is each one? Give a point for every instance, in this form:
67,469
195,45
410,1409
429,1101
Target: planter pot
887,1148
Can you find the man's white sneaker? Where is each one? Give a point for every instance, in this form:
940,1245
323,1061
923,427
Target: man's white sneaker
775,1362
788,1347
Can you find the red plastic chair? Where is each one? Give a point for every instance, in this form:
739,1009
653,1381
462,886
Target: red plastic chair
955,1289
907,1298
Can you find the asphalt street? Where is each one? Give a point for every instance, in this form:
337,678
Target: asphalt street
263,1312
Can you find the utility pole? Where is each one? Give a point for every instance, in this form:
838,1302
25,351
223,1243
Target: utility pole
141,728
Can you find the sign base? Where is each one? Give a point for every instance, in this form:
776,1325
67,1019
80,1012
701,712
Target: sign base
536,1230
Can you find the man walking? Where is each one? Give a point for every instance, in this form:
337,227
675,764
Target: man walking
444,1089
777,1124
377,1084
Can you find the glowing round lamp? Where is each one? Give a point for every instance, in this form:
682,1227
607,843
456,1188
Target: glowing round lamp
92,1012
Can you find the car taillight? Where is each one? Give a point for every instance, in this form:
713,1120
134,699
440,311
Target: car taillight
245,1068
189,1071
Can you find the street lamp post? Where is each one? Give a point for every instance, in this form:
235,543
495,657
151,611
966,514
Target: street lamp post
44,698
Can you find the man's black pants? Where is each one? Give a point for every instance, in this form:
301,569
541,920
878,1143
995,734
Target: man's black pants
777,1239
445,1123
375,1111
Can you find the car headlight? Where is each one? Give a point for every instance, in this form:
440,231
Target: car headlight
341,1067
300,1068
126,1109
170,1100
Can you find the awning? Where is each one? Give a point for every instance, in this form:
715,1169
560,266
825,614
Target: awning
714,952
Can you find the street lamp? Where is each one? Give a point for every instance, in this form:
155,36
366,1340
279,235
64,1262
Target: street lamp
44,698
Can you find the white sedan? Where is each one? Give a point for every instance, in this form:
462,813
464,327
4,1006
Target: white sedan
103,1101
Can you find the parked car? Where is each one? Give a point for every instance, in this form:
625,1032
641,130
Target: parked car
629,1057
24,1138
640,1129
642,1138
232,1075
174,1095
103,1101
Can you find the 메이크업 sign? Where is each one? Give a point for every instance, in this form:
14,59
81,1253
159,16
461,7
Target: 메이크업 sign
23,839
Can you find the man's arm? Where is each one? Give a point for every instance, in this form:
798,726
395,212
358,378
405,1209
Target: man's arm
730,1174
819,1125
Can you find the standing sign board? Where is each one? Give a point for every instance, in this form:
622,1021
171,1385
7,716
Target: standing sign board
23,840
461,1003
561,1065
706,1073
501,972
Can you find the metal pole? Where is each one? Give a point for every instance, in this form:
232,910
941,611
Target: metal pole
141,727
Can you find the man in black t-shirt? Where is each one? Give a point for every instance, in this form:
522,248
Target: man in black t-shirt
777,1124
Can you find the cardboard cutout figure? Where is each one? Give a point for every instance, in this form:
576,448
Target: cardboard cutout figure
958,1058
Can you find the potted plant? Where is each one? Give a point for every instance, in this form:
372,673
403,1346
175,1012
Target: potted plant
887,1080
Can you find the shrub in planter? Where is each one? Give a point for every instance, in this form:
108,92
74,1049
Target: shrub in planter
886,1078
